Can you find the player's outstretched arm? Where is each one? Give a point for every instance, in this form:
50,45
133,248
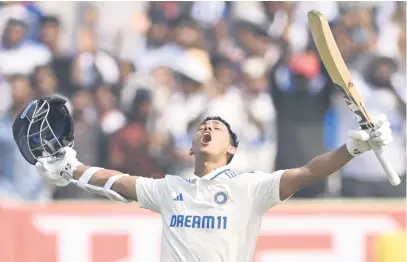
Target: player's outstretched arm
317,169
109,183
324,165
124,185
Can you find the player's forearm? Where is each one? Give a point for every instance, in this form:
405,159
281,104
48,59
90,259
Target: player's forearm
125,186
317,169
324,165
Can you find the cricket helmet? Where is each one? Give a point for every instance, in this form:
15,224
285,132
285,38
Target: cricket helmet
43,128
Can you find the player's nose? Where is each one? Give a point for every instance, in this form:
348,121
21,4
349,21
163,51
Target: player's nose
208,128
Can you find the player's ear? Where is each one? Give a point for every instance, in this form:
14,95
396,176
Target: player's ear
191,153
232,150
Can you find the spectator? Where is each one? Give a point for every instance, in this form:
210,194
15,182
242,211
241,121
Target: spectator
341,36
248,36
6,101
282,23
143,81
159,32
259,114
399,78
92,66
164,84
117,25
87,141
222,91
17,55
192,75
127,68
301,97
173,9
187,34
44,81
29,12
210,16
363,177
360,25
50,32
18,179
110,118
129,147
255,41
208,13
61,63
389,30
86,126
156,48
161,84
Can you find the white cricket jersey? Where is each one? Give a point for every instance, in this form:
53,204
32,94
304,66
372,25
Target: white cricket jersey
213,218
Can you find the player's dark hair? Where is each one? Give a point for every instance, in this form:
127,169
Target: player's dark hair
233,137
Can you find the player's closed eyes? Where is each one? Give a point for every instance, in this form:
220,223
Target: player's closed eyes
215,128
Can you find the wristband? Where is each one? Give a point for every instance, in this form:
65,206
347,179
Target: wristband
352,148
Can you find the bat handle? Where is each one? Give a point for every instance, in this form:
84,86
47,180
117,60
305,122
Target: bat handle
388,169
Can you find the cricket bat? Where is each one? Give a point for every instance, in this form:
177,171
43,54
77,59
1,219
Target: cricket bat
337,70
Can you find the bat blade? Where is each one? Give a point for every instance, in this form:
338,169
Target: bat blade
339,73
336,67
328,49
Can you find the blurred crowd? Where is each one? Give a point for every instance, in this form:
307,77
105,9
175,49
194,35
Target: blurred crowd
140,76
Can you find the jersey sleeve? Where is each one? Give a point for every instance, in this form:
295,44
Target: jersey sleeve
150,193
266,189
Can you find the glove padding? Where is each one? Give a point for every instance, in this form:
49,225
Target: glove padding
59,171
361,141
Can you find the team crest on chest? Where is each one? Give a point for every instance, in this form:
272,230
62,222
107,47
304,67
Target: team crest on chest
221,198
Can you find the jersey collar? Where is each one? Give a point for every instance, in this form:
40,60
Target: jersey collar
221,173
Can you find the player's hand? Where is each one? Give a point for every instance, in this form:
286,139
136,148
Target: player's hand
52,178
59,171
361,141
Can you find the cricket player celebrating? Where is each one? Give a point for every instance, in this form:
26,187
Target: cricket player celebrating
216,214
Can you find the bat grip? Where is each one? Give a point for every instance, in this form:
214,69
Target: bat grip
388,169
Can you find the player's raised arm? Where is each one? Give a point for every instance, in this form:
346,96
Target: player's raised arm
324,165
121,183
43,132
109,183
112,184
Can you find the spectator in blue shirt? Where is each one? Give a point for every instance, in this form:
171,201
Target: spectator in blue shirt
18,179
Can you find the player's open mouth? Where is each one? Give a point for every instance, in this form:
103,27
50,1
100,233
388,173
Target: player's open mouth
206,138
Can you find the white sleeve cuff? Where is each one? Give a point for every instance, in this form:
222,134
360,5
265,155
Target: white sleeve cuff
276,184
148,192
139,191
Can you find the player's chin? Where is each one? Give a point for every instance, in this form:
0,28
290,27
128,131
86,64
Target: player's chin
205,147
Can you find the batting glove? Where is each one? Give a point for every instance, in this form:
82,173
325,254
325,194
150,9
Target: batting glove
59,171
360,141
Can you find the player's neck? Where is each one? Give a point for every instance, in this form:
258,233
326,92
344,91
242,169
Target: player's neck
205,167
